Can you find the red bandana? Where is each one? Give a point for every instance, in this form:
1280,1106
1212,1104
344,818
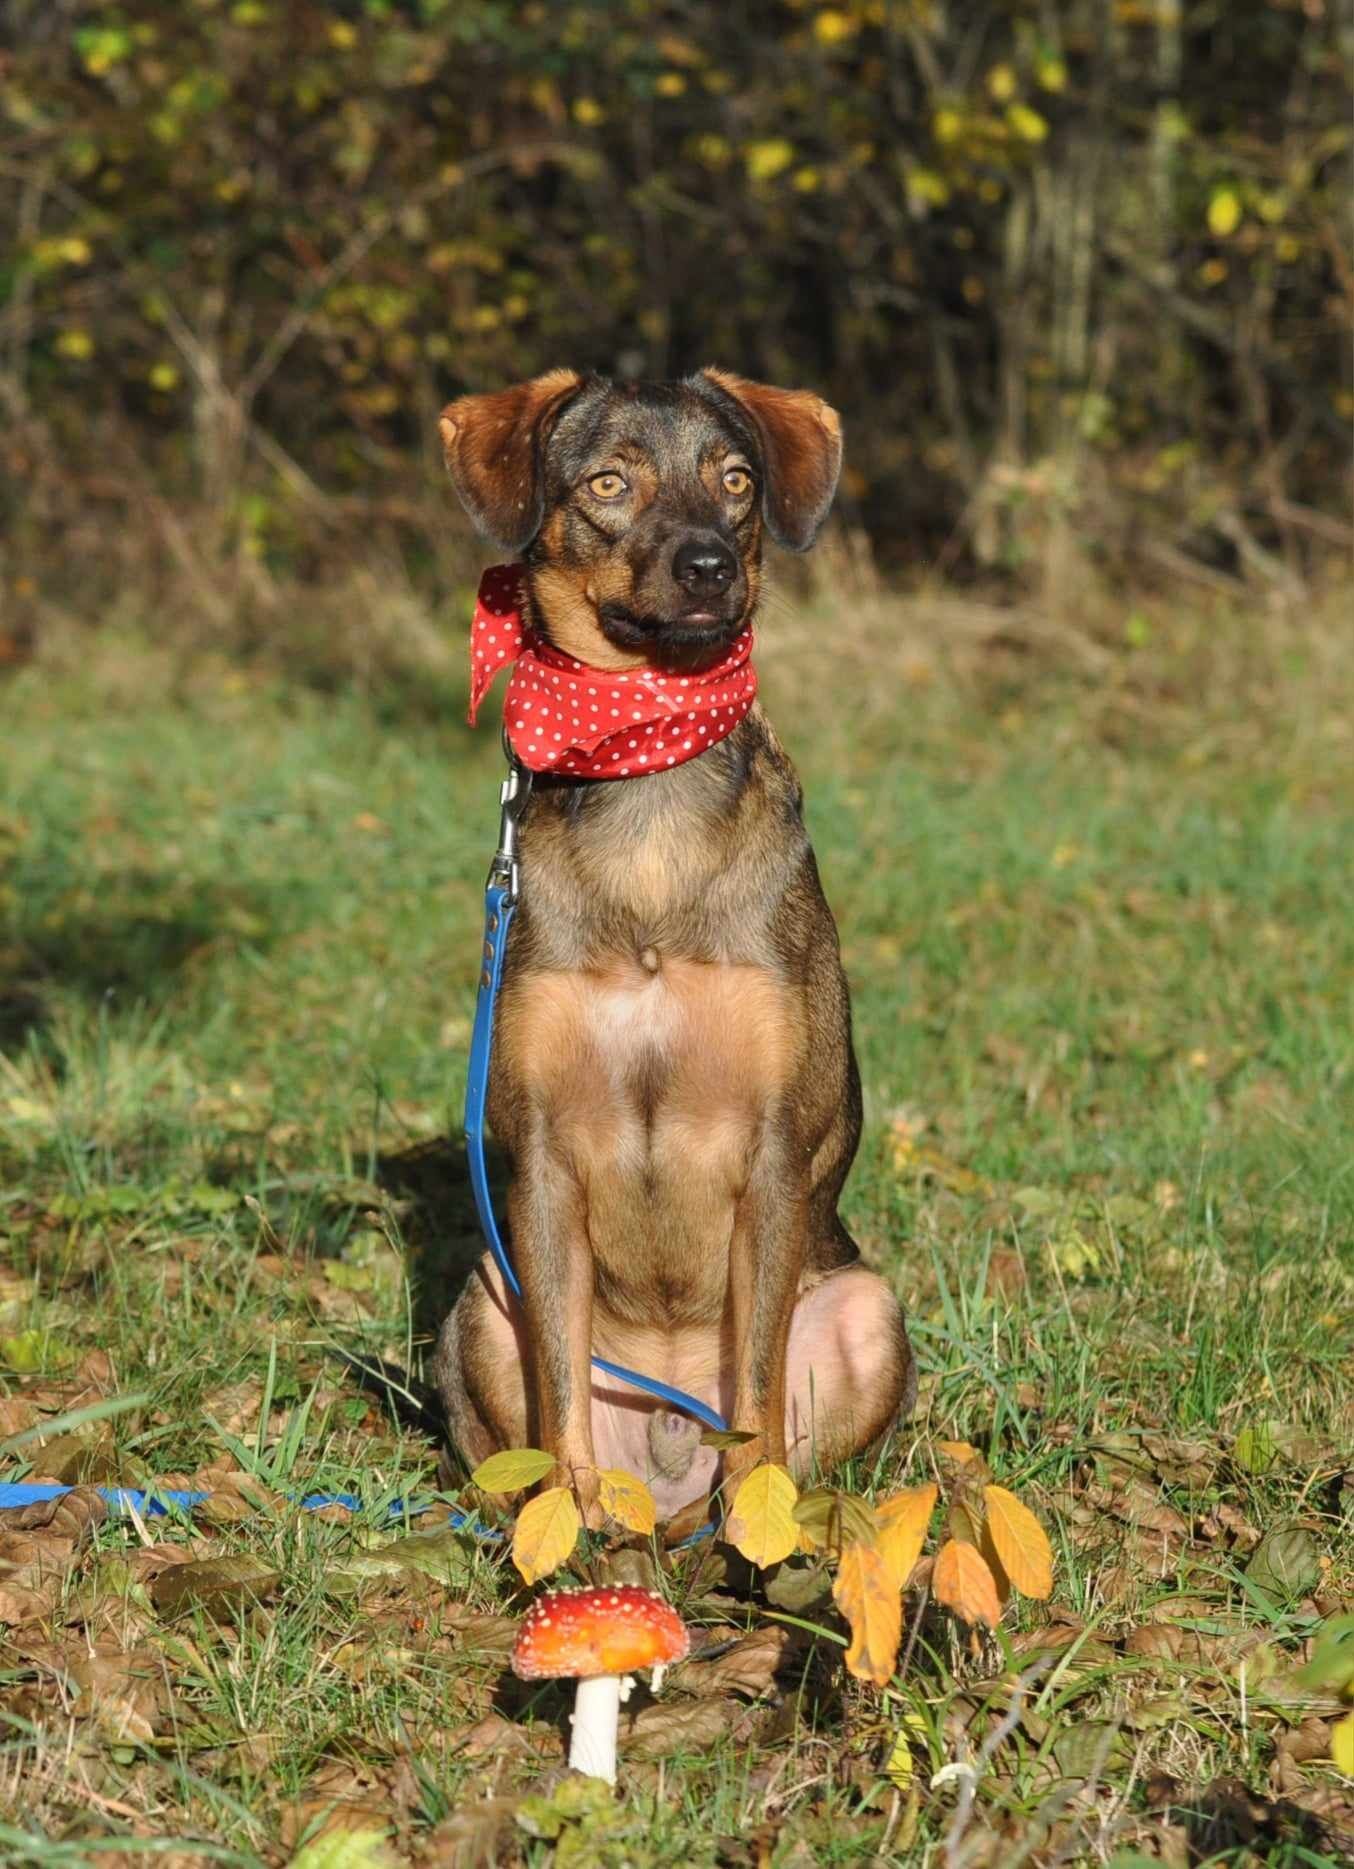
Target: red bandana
562,716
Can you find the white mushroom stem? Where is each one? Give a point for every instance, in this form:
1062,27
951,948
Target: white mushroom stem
596,1715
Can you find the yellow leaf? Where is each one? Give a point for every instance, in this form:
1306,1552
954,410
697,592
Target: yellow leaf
627,1500
1001,83
962,1581
1342,1745
1028,125
832,26
902,1522
1224,212
513,1469
547,1531
947,126
1021,1542
960,1451
765,161
866,1595
898,1767
760,1523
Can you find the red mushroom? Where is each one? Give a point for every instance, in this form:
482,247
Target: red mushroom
598,1637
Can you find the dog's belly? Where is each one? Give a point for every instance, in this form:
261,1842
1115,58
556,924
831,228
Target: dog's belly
655,1083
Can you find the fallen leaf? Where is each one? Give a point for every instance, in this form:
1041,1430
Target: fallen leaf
670,1726
868,1597
74,1514
747,1667
122,1692
902,1522
761,1523
1285,1563
962,1581
445,1555
961,1452
1020,1541
20,1604
627,1500
345,1849
494,1736
546,1533
1342,1745
473,1837
217,1585
899,1766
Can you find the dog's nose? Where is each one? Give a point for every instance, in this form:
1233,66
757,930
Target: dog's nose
705,567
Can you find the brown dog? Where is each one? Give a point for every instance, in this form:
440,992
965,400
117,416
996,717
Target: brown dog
672,1079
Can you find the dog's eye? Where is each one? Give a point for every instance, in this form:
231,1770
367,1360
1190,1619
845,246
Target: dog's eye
737,481
607,486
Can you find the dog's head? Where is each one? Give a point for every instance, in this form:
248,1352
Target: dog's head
640,507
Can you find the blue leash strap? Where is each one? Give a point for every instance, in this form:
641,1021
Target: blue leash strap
500,900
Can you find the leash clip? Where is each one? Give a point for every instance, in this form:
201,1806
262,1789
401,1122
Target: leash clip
513,795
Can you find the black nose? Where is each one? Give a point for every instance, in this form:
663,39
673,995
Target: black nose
705,567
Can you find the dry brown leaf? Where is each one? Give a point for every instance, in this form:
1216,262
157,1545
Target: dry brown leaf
962,1581
122,1691
21,1603
684,1726
476,1835
748,1667
73,1515
220,1586
495,1736
866,1594
902,1522
1020,1541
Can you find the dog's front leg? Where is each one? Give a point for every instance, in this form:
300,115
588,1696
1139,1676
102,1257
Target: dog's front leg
554,1263
766,1259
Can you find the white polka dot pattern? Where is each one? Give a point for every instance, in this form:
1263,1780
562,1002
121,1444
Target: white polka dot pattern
559,713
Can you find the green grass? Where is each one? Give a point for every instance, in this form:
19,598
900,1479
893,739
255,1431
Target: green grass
1100,938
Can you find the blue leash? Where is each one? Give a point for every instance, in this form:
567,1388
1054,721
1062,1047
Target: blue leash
500,900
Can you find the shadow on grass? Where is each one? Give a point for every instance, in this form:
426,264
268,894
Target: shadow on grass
1225,1822
441,1227
135,950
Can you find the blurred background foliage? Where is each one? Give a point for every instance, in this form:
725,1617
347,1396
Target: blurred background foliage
1076,272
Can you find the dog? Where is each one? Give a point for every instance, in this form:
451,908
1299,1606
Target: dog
673,1080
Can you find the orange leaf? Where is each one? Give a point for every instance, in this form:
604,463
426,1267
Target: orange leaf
865,1593
962,1581
960,1451
902,1522
1020,1542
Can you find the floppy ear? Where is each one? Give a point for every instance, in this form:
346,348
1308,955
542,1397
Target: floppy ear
801,439
494,447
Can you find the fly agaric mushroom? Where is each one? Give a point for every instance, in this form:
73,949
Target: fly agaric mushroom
598,1637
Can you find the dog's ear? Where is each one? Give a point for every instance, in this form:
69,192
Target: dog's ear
801,441
494,447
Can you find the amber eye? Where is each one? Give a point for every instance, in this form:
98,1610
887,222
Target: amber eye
607,486
737,481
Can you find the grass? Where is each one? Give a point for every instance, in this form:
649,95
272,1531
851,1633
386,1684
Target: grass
1096,913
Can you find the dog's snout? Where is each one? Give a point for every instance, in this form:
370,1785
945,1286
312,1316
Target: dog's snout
704,566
